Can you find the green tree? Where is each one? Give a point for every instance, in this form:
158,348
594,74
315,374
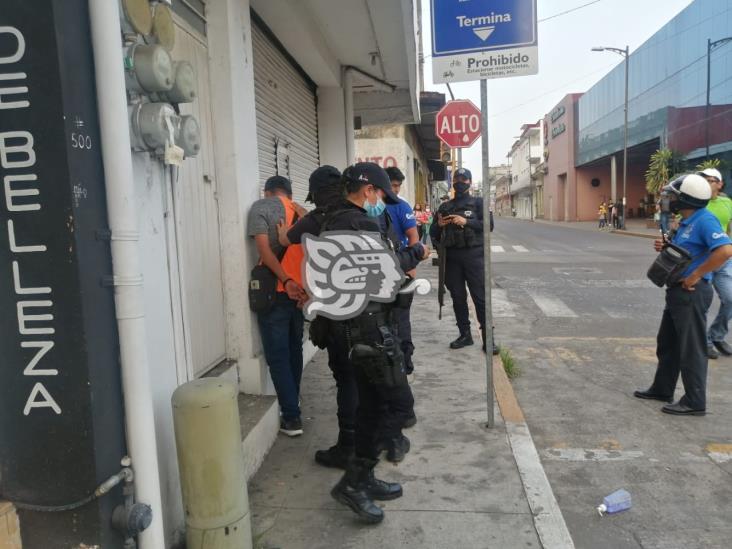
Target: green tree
664,164
711,163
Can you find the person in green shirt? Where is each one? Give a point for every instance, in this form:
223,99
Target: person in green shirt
721,206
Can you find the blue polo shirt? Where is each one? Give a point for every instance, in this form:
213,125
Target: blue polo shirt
699,235
402,218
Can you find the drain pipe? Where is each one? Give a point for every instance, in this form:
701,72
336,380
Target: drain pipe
348,107
128,294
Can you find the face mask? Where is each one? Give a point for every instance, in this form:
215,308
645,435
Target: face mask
374,210
675,207
461,187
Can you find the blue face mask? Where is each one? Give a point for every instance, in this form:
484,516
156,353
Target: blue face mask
374,210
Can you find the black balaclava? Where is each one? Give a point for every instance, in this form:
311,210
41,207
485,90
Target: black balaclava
461,187
329,195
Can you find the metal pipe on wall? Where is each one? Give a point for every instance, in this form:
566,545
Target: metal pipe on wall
128,293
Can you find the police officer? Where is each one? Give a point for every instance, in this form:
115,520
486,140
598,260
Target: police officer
376,331
459,230
682,341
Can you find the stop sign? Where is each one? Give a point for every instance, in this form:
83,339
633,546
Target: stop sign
458,123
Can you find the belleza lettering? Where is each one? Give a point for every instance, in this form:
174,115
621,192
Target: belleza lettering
34,306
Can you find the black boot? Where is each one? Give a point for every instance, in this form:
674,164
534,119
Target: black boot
463,341
351,490
382,490
396,448
337,456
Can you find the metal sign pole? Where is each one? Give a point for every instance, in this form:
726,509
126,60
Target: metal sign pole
487,256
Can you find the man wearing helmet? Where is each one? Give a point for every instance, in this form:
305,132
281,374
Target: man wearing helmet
681,340
721,206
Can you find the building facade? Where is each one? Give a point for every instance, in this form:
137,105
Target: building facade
525,155
276,90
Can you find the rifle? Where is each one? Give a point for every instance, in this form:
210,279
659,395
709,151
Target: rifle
442,260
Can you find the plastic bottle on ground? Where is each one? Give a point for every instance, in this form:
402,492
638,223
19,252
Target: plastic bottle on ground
615,502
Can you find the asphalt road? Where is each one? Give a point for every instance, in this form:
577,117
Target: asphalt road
577,312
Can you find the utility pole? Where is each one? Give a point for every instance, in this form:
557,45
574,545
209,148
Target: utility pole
488,326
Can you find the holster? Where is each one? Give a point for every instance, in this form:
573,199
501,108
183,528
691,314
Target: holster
319,330
376,351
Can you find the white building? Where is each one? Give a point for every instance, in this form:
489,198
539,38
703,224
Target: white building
525,153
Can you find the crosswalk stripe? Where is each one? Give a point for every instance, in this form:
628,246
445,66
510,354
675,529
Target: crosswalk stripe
502,307
551,306
496,249
520,249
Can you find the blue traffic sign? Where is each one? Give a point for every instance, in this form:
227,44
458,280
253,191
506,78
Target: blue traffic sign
465,26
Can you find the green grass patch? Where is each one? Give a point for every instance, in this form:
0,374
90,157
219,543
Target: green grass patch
509,364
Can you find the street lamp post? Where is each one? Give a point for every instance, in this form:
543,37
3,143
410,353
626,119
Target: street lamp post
710,47
626,54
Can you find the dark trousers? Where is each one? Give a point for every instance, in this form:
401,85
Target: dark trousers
281,329
465,266
373,411
681,344
405,336
346,388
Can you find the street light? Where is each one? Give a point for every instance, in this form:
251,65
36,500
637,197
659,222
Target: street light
626,54
710,47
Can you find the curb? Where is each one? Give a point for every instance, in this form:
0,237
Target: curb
631,233
548,520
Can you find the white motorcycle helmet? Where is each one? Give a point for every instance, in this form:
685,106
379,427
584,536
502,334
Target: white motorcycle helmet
692,191
711,172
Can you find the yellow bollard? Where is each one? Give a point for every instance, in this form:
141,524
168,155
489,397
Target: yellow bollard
211,463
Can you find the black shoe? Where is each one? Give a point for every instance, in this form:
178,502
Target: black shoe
712,352
496,350
410,422
462,341
351,491
335,456
648,395
397,449
679,409
723,347
382,490
291,427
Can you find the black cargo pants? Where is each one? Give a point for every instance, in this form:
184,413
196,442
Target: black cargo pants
465,266
681,344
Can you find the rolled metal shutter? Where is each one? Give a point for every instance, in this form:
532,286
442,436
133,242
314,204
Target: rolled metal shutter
287,120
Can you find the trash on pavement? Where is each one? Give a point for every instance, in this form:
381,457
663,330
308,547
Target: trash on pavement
615,502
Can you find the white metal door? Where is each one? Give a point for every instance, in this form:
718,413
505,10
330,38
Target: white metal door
197,223
287,121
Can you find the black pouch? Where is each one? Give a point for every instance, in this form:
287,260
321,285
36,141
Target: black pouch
262,289
669,266
319,331
378,367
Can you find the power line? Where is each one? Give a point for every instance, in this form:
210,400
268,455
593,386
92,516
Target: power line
568,11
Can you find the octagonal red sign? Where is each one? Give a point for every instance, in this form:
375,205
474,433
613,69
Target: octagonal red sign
458,124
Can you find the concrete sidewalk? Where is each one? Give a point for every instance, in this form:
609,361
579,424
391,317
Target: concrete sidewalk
462,484
633,227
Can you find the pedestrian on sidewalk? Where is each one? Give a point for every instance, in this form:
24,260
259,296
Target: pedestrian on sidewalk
681,341
368,189
427,224
602,215
459,229
281,326
721,206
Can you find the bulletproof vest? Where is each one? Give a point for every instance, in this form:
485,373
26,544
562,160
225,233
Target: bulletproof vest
461,237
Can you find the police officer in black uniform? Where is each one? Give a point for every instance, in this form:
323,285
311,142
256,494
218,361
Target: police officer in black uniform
371,343
459,231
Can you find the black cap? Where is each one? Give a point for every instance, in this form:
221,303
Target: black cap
278,182
322,177
464,173
373,174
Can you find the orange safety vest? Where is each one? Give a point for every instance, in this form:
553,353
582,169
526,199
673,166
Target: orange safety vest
292,260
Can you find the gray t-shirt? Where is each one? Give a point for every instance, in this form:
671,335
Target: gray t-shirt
263,218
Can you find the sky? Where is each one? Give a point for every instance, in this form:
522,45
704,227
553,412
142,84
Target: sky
566,64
